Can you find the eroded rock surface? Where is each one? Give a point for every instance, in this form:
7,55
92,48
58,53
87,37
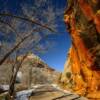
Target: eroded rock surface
82,19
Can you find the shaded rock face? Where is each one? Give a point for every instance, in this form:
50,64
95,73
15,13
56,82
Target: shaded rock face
82,19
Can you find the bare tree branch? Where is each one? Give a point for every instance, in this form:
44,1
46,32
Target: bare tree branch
11,27
27,19
13,78
16,46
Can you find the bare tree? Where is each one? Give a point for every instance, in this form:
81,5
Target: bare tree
16,67
28,31
32,24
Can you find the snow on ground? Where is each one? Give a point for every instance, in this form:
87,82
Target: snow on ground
23,95
4,87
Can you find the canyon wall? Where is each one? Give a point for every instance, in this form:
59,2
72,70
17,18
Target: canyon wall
82,18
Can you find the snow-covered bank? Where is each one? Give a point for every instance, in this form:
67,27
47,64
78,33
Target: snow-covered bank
23,95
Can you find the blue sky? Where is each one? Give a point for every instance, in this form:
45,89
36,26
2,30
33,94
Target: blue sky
56,56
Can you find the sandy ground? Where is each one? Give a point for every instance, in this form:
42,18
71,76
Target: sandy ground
53,93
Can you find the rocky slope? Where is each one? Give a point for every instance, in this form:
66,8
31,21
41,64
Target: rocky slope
33,71
37,71
82,19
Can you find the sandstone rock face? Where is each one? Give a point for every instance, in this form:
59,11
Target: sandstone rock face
82,19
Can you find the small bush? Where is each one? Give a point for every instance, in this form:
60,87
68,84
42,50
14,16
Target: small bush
68,75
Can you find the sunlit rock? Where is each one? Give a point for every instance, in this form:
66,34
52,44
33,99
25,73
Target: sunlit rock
82,19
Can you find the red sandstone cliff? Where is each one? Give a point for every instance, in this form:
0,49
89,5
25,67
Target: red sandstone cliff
82,19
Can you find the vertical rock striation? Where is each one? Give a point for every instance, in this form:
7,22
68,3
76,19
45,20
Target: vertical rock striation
82,19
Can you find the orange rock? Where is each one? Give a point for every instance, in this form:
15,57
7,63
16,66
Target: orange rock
84,63
97,21
86,9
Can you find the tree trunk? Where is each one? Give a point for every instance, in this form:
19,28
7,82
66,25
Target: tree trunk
13,78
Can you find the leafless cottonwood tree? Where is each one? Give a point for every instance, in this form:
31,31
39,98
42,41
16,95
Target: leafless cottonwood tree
28,31
34,24
17,65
